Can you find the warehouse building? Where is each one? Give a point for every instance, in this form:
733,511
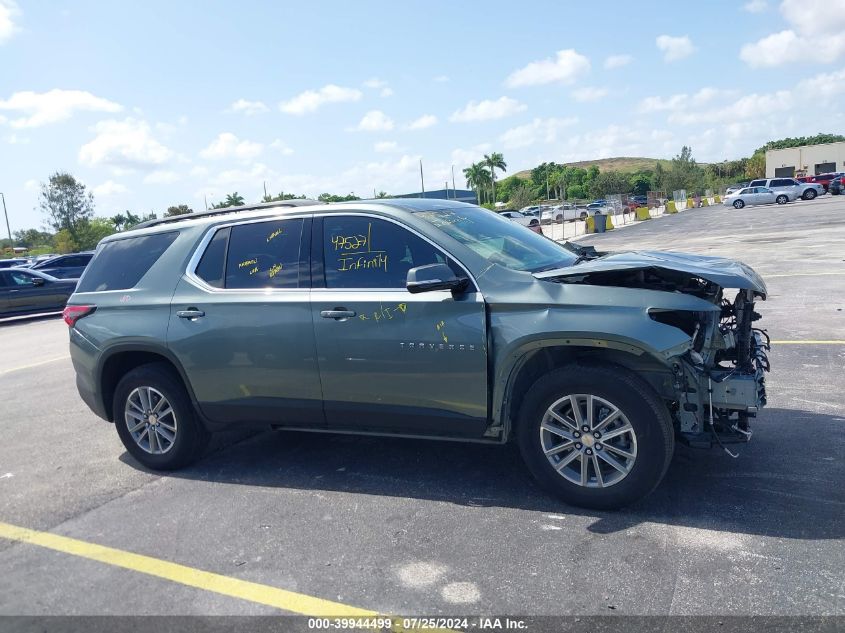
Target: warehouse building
807,160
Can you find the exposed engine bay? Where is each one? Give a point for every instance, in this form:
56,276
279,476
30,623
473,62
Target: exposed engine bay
719,381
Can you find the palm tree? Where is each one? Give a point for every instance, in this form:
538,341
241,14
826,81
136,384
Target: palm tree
477,177
118,221
234,200
495,161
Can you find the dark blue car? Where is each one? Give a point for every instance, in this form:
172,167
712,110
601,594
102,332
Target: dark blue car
24,291
69,266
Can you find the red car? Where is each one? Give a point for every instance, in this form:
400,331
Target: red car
822,179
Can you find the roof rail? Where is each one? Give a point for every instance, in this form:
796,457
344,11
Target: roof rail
296,202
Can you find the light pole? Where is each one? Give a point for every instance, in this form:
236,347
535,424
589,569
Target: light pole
8,228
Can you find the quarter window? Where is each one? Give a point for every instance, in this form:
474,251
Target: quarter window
264,255
361,252
121,264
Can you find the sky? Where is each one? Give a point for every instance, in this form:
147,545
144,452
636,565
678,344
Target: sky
152,104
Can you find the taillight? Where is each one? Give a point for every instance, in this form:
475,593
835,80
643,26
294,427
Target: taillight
72,314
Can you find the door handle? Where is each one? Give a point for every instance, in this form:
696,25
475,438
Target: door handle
190,313
338,314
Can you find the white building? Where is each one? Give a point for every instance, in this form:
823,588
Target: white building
807,160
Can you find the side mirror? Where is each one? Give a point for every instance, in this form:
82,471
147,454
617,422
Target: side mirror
434,277
38,281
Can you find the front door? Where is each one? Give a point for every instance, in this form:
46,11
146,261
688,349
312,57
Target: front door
392,361
240,325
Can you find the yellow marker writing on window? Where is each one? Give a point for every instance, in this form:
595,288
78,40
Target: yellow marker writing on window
275,234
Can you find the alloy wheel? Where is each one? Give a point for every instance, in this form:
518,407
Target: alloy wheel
151,420
588,440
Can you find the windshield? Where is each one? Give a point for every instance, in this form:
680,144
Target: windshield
499,240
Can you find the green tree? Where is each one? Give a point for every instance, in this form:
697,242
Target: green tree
331,197
576,192
521,196
90,232
125,220
495,161
231,200
281,196
609,182
65,202
477,178
381,195
641,182
32,238
182,209
506,187
756,166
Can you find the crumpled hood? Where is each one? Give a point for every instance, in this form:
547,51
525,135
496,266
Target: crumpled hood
728,273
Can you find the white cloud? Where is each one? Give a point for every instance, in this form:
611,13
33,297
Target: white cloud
161,177
281,147
817,31
568,66
756,6
682,100
31,185
674,48
386,147
441,79
617,61
538,131
127,144
310,100
488,110
227,145
108,189
589,93
14,139
377,84
375,121
8,12
248,108
423,122
53,106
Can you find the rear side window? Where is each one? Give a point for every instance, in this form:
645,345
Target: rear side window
756,183
264,255
212,266
121,264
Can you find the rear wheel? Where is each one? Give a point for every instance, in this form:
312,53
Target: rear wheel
738,204
809,194
559,219
155,420
782,199
597,436
583,216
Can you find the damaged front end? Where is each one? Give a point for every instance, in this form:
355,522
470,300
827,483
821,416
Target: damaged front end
721,378
718,376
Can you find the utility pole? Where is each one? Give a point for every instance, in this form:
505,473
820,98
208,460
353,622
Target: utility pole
205,199
265,188
453,182
547,182
422,181
8,228
447,189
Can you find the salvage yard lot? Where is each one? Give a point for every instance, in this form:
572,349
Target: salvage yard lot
414,527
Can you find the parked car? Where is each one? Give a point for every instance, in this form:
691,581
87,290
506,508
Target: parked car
641,201
13,263
516,216
65,266
805,190
734,188
24,291
559,213
822,179
757,195
835,187
429,318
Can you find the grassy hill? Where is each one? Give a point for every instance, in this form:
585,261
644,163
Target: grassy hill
624,164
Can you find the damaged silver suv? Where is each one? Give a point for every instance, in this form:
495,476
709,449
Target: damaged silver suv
418,318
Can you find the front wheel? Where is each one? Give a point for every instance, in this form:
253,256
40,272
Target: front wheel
809,194
155,420
597,436
739,204
782,199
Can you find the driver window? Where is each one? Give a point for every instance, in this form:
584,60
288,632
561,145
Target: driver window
21,279
362,252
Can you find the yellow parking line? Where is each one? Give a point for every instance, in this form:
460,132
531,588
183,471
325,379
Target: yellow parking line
207,581
41,362
810,342
803,274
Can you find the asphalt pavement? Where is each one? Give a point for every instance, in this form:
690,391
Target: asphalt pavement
410,527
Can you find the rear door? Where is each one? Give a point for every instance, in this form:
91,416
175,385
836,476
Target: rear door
241,325
4,292
764,195
25,296
392,361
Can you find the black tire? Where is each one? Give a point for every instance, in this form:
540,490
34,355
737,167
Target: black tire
646,413
782,199
559,219
809,194
191,437
583,216
738,204
533,223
